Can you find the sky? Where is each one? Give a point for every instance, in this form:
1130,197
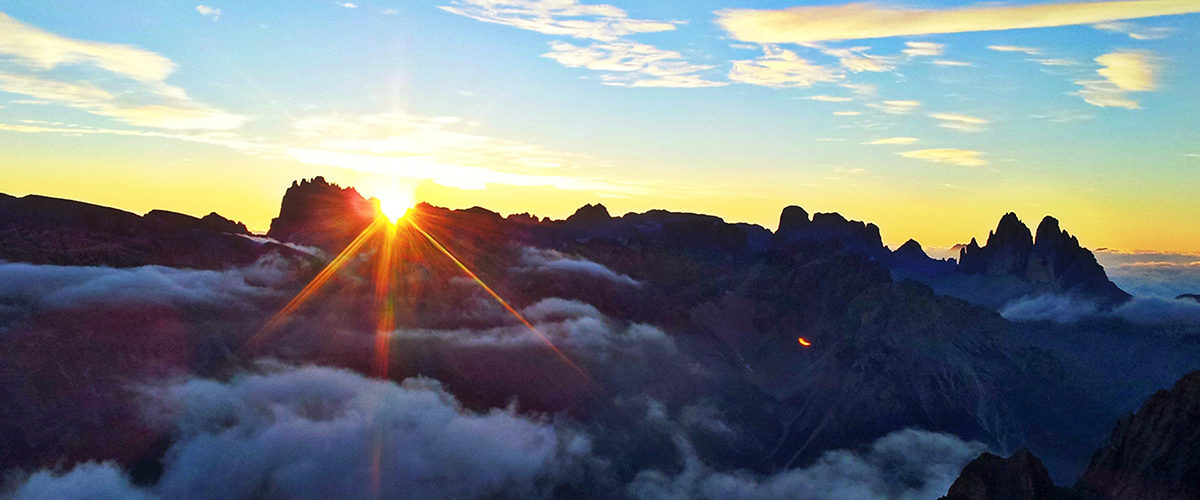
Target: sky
931,119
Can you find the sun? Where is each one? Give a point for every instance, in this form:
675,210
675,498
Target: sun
394,204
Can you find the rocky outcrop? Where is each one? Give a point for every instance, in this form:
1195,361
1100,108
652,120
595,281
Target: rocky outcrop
911,261
1018,477
857,237
1154,453
44,230
318,213
1014,263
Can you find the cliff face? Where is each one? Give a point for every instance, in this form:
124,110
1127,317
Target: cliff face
856,237
44,230
1154,453
317,213
1018,477
1054,262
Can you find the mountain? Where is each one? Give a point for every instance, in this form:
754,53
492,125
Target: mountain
1153,454
1013,264
318,213
1018,477
44,230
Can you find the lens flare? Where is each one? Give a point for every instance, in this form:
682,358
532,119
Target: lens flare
503,303
311,288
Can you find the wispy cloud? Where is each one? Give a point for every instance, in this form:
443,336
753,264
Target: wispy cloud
147,101
45,50
782,68
829,98
347,5
847,113
961,157
959,122
210,12
1124,72
893,140
443,150
857,60
948,62
923,49
896,107
178,114
1033,51
632,64
1134,31
854,21
560,17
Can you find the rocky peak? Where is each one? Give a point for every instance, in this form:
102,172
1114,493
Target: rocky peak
911,248
1154,453
1019,477
856,237
793,217
1054,263
590,214
215,222
318,213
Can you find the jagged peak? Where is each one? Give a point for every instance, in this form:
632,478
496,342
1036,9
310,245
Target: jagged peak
911,246
1009,231
591,213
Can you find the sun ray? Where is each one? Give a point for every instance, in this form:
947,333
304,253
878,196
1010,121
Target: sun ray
385,300
330,269
503,303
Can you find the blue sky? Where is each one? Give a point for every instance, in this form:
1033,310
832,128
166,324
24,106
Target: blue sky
889,112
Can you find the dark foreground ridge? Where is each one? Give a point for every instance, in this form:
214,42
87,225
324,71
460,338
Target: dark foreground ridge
1153,454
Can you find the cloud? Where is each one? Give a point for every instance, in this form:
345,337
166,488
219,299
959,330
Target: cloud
947,62
781,68
1152,274
207,11
632,64
544,260
868,20
348,5
1014,48
561,17
847,113
87,480
1134,31
1124,71
857,60
1049,307
46,286
961,157
1129,70
959,122
893,140
38,49
897,107
46,50
181,115
829,98
1069,309
923,49
906,464
441,149
313,432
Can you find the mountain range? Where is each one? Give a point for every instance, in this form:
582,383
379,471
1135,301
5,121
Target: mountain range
707,313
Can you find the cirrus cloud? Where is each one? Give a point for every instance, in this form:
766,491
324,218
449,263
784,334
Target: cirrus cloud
862,20
951,156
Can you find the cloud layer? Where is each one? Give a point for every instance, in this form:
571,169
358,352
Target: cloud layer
854,21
